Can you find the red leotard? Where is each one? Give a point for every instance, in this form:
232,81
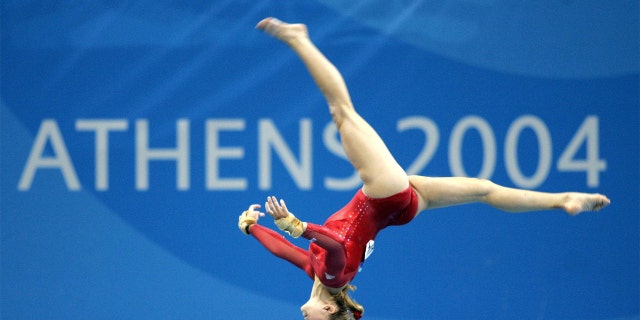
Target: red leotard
337,247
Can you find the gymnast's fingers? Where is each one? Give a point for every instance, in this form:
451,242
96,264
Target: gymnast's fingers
277,210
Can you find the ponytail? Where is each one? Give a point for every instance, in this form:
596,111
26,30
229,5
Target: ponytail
348,309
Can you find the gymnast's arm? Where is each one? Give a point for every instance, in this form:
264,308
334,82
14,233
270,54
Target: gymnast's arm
336,254
281,248
330,241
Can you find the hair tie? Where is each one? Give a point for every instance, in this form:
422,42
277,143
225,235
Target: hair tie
357,314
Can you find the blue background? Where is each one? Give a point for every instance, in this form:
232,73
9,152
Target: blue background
168,253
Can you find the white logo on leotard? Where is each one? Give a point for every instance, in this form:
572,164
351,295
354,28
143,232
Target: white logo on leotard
369,249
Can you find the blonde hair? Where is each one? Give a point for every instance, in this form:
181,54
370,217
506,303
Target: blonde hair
348,309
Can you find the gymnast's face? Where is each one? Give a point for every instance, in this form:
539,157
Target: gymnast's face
316,309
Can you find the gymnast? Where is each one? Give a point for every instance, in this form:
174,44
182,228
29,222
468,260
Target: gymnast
388,196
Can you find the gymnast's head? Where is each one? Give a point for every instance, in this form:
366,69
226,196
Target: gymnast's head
337,306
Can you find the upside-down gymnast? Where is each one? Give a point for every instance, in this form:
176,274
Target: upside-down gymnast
388,195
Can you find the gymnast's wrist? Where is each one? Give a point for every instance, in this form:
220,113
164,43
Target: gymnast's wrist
291,225
245,221
247,228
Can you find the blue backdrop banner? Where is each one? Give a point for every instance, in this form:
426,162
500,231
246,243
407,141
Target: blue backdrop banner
134,133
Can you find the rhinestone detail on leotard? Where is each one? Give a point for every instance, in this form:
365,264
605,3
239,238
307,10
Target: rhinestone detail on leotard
355,218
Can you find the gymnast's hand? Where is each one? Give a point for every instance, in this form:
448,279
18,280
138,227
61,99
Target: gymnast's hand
249,217
284,219
277,210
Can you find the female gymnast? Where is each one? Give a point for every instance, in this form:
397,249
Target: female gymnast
388,195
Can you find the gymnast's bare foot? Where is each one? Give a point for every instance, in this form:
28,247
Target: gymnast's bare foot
285,32
579,202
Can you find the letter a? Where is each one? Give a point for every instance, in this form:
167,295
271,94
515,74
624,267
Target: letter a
49,131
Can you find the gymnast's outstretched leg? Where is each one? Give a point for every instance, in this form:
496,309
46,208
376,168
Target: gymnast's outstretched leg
381,174
449,191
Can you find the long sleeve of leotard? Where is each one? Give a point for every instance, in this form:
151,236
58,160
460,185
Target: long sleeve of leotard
327,239
281,248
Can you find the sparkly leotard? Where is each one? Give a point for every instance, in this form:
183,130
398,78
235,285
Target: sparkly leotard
338,246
